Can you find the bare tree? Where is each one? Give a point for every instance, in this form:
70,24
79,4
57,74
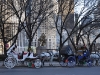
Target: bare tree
37,13
9,30
75,34
29,15
65,7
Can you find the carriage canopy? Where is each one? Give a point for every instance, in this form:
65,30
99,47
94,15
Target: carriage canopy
66,50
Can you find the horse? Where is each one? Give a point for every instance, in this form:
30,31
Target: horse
49,56
96,58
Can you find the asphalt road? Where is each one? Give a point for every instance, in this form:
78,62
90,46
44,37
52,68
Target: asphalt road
51,71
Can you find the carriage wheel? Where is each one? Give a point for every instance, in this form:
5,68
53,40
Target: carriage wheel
71,61
89,62
10,62
62,62
37,63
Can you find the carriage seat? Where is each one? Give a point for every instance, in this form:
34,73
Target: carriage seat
20,55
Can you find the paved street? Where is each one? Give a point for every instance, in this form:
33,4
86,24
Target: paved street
56,70
50,71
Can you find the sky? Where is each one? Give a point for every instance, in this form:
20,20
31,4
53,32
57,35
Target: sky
81,3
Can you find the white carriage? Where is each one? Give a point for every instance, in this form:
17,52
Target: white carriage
14,58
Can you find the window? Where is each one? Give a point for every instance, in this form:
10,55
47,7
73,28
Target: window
49,45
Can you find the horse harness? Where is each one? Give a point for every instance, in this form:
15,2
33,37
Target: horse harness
51,53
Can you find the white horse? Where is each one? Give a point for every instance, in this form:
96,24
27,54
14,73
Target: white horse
49,56
96,58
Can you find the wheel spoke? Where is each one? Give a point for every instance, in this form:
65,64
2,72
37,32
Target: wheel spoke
37,63
9,62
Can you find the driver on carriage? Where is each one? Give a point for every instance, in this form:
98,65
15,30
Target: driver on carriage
32,52
83,53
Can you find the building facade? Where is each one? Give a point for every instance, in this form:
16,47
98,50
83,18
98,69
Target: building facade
47,28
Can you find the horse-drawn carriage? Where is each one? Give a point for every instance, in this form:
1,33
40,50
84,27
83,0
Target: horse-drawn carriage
68,58
27,58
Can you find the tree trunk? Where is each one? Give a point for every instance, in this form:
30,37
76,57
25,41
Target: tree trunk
29,45
5,50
